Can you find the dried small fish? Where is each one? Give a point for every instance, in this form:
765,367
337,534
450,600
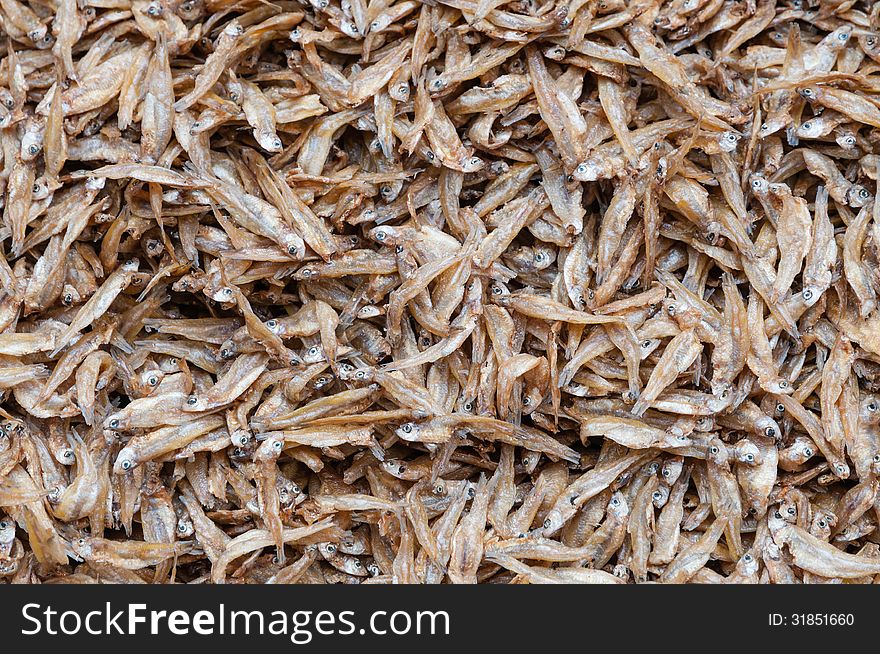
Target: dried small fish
474,291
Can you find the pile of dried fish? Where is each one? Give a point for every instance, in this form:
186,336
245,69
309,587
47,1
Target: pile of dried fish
454,291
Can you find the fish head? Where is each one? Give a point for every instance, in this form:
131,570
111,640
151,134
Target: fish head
767,426
270,449
802,450
811,294
821,525
808,93
747,453
589,171
82,548
838,39
7,530
233,29
472,164
394,467
268,140
31,145
728,141
810,129
195,403
747,564
857,196
618,506
125,461
185,528
115,421
846,140
408,431
314,354
660,496
671,469
717,452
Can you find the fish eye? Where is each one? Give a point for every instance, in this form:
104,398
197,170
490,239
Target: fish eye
725,393
808,452
398,249
540,256
292,250
331,548
615,502
277,445
192,399
471,492
468,406
181,527
313,351
671,310
126,464
227,291
713,450
657,495
582,168
807,294
807,125
152,381
750,457
840,467
770,431
406,428
3,524
780,408
822,524
783,384
401,469
863,193
872,406
646,344
360,374
33,148
548,523
243,440
666,473
876,458
114,424
474,161
764,128
68,299
791,510
272,324
843,36
497,290
747,558
380,235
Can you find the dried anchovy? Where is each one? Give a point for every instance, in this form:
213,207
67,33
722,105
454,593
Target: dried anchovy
451,292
